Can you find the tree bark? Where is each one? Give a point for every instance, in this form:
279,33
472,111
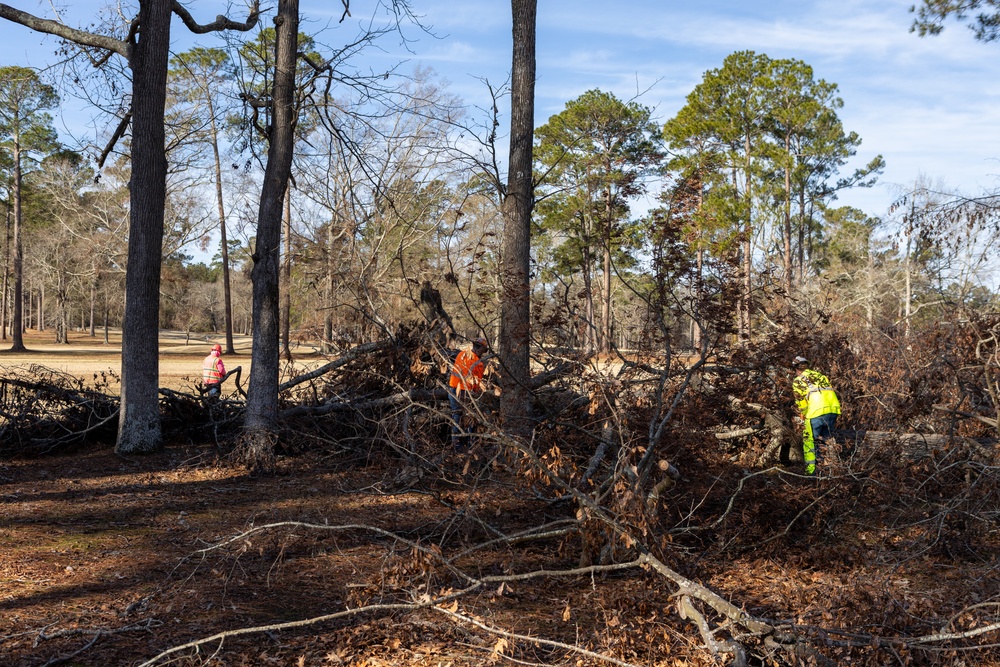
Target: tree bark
327,346
17,316
260,423
147,49
223,240
606,327
286,279
4,320
139,418
93,303
786,230
515,313
590,312
745,323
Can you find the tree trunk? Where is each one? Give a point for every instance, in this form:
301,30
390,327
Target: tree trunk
606,297
62,311
787,228
17,317
802,235
93,302
699,282
698,296
257,446
4,321
747,252
515,309
139,417
589,311
286,279
327,346
223,241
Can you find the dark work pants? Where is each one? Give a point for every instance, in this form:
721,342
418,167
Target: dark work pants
817,431
459,439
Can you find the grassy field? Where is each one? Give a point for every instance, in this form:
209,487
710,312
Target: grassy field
180,356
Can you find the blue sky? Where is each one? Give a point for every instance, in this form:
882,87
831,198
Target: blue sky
930,106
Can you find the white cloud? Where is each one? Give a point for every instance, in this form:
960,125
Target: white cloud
929,105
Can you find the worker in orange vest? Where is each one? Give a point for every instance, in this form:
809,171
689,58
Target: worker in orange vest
466,379
213,370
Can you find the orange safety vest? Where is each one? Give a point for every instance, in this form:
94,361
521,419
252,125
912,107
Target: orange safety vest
467,372
212,369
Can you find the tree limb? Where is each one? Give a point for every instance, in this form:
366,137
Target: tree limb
221,22
414,395
347,357
115,136
58,29
533,640
259,629
690,612
969,415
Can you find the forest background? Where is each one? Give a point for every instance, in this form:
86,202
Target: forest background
676,263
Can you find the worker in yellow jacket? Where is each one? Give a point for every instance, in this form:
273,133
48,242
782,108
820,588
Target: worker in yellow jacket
818,407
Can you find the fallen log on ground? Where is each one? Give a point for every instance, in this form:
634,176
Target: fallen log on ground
785,443
415,395
915,446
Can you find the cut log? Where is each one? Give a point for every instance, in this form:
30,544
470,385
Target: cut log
915,446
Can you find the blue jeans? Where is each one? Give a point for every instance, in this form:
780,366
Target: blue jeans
818,428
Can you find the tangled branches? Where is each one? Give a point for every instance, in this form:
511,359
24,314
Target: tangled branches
42,410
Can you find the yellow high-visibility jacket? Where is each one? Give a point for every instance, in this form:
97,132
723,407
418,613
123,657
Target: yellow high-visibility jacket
814,395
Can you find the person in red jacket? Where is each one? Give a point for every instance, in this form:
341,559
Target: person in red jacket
466,380
213,370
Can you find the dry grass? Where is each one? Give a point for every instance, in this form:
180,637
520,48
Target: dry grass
180,359
180,356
